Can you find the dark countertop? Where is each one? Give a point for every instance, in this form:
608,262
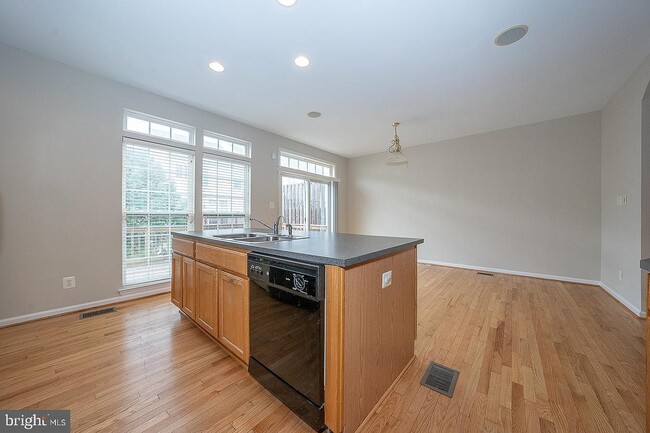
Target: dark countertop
645,264
339,249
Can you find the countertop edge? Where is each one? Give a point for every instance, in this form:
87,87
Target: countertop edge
645,265
343,263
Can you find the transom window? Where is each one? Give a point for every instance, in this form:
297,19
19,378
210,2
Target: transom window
306,164
223,143
158,128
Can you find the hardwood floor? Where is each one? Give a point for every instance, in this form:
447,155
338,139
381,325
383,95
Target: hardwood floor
534,356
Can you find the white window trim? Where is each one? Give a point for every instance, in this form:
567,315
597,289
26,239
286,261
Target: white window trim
216,135
227,158
310,176
152,138
163,146
320,179
307,158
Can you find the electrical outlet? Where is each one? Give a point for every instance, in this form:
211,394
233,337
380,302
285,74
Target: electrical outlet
69,282
620,275
386,279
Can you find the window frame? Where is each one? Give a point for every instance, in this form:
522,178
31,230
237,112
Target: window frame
219,156
156,139
223,153
295,155
333,195
126,140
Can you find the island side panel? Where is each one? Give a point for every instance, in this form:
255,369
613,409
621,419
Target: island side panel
379,331
647,348
334,325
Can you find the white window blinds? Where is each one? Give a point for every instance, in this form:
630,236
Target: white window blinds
226,193
157,198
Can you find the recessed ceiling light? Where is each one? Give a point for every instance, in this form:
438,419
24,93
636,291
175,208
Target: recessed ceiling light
301,61
511,35
314,114
216,67
287,3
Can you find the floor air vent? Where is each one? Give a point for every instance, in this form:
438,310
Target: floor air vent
485,273
97,312
441,379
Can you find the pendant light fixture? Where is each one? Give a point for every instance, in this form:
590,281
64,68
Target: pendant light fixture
395,155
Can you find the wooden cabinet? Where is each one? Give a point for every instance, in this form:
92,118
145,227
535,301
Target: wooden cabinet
177,280
207,284
210,286
233,314
189,292
223,258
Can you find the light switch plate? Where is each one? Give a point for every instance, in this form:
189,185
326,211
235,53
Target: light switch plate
386,279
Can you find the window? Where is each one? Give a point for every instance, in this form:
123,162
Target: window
157,198
226,193
223,143
158,128
306,164
307,196
306,204
159,194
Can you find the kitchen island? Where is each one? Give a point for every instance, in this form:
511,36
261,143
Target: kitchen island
645,265
369,330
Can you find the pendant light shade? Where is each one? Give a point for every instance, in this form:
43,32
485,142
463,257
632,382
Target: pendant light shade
395,155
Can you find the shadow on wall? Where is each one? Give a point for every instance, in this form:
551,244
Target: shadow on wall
645,182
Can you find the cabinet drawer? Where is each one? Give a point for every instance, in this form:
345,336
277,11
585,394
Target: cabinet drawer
223,258
182,246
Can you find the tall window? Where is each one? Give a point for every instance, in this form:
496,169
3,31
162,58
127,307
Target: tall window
308,192
226,193
157,198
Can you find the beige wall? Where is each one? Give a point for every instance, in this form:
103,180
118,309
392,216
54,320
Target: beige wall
60,178
524,199
621,174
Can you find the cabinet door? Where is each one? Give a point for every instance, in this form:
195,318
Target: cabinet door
233,314
177,280
206,297
189,293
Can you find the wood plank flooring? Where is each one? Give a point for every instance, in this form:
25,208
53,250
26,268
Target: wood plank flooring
534,356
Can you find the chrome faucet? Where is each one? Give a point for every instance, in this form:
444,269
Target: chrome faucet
264,224
276,226
289,229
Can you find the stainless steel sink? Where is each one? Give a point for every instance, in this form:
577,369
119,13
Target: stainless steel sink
237,236
265,239
250,238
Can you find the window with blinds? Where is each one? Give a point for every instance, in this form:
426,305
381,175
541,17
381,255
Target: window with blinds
157,198
226,193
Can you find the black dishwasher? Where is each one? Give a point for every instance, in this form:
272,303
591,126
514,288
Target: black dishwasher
286,333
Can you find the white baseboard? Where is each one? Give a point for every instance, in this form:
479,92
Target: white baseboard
507,271
616,296
623,301
79,307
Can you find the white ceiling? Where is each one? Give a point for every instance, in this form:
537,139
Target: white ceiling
430,64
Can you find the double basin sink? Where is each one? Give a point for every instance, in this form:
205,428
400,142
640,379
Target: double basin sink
251,238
